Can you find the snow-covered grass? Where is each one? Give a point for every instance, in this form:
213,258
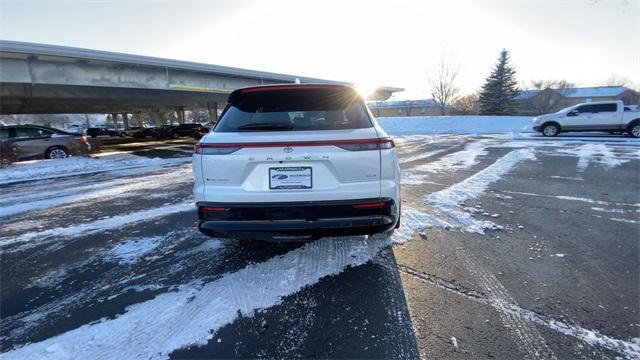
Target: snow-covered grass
49,169
470,124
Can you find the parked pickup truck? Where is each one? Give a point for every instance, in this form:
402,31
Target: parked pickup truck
611,116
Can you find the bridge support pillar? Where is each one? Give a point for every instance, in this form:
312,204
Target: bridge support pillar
180,113
125,121
114,119
138,117
213,112
157,118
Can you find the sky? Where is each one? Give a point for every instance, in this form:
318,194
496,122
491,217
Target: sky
369,43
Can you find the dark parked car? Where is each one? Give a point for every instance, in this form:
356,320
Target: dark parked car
98,131
176,131
142,133
33,141
198,133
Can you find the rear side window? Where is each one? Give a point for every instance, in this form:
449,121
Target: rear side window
295,110
597,108
4,134
31,132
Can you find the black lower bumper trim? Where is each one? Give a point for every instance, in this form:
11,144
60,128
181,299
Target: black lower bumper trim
309,219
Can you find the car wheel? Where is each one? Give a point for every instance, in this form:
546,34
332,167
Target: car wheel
93,135
550,129
175,135
634,129
56,152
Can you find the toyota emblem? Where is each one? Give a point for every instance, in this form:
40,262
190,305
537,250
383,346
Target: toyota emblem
288,149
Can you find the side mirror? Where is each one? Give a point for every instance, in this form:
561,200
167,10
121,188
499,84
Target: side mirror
573,113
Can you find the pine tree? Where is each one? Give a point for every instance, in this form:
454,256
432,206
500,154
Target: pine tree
499,92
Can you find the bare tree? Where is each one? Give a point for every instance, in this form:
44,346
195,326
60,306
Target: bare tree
442,83
467,105
617,80
549,96
379,103
408,105
88,121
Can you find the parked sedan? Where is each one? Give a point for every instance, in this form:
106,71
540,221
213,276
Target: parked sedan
33,141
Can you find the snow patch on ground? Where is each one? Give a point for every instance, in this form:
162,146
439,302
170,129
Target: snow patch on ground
460,160
447,203
469,124
479,182
629,221
595,153
109,223
572,198
131,250
49,169
13,205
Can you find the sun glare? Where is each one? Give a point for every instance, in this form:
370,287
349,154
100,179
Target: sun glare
365,90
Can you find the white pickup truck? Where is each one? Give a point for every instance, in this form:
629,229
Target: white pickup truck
610,116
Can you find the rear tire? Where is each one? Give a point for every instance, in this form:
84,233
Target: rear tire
551,129
56,152
634,129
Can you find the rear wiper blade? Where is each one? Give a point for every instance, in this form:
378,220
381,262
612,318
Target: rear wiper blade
266,126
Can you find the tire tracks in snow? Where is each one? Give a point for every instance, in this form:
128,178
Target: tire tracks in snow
529,339
533,348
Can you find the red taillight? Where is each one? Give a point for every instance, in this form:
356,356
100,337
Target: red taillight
351,145
368,144
387,143
374,205
212,209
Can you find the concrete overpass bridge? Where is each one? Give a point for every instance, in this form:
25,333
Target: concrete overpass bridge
49,79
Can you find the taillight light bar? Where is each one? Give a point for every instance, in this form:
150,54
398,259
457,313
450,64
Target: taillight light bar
351,145
373,205
212,209
214,149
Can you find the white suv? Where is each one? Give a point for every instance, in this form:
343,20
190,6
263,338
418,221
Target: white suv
296,161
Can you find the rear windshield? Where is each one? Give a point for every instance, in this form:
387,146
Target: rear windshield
295,110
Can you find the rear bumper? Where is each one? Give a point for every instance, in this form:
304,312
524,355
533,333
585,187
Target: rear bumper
282,221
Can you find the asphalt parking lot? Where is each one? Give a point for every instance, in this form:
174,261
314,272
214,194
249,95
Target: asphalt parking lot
509,248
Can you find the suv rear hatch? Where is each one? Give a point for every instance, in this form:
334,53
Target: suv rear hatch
292,143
